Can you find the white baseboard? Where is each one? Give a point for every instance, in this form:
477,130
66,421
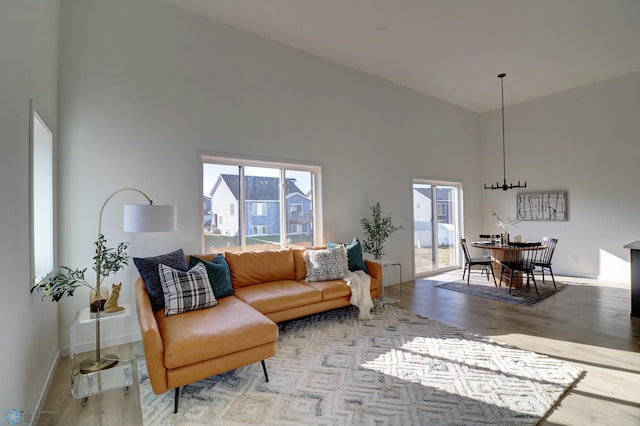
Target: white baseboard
45,390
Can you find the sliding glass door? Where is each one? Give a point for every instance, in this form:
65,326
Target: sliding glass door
436,226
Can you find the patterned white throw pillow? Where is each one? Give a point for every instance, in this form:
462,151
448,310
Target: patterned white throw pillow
185,291
325,265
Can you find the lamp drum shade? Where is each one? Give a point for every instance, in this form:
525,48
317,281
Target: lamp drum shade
149,218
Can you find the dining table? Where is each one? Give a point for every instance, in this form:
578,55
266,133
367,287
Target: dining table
503,252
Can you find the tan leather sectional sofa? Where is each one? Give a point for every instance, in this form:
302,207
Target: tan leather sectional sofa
269,287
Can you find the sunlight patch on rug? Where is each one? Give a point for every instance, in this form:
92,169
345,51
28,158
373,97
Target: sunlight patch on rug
398,368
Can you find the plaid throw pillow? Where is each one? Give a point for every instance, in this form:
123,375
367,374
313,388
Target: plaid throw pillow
185,291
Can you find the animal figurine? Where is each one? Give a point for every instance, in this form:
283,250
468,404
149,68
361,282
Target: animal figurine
111,305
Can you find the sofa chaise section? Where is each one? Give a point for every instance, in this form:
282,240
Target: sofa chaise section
185,348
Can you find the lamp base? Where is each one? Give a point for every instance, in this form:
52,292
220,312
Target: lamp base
92,365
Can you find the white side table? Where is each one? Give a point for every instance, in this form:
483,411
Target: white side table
119,375
388,264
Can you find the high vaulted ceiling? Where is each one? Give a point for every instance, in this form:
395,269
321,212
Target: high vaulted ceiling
453,49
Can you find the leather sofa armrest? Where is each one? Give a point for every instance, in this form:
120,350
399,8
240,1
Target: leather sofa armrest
151,339
374,268
375,272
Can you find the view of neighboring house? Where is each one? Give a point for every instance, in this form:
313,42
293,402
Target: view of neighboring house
422,217
206,204
262,206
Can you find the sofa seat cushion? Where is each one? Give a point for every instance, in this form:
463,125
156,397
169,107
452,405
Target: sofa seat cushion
330,290
256,267
278,295
228,327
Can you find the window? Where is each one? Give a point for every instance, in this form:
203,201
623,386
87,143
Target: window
42,197
259,230
259,209
277,201
436,245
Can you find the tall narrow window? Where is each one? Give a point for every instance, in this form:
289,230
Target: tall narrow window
42,198
436,225
275,202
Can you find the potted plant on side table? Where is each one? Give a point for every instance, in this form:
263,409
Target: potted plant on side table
376,230
107,261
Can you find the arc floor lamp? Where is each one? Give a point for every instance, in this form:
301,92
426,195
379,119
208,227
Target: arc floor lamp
137,218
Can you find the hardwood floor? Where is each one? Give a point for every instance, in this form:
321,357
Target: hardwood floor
587,324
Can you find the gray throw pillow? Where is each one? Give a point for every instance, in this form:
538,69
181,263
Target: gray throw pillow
325,265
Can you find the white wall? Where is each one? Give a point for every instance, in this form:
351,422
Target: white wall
145,86
28,69
585,141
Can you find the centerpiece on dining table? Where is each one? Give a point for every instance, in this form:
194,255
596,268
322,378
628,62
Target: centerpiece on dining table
504,225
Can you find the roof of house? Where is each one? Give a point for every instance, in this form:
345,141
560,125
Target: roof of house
443,194
259,187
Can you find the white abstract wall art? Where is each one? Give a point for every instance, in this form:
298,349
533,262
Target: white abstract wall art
542,206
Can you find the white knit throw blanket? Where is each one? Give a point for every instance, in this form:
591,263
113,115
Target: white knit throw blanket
360,284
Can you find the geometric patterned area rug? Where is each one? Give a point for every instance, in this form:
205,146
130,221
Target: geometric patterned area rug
525,296
398,368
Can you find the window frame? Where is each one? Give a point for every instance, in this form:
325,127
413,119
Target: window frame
455,212
284,166
42,214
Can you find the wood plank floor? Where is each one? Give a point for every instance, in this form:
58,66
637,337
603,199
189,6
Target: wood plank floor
587,324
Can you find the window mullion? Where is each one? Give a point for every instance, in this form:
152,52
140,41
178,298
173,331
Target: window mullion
241,212
283,208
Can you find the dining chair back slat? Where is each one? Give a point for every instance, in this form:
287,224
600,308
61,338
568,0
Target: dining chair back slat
544,260
521,259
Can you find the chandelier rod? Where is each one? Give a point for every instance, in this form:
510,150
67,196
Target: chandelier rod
504,161
504,185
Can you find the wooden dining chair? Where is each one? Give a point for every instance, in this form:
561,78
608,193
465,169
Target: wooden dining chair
544,260
475,261
521,258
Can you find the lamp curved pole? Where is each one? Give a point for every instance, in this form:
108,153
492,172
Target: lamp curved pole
113,194
100,363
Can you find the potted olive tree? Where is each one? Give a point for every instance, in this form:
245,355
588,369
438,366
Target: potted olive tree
377,229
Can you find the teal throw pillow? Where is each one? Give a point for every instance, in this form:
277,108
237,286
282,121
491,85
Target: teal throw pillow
354,255
219,274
